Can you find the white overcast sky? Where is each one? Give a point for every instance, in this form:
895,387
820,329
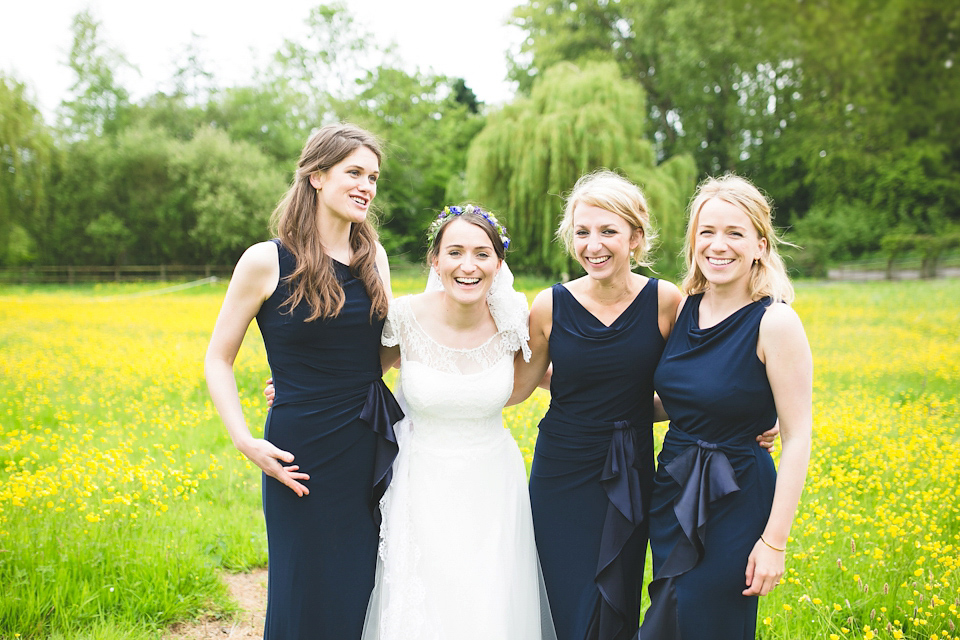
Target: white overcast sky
466,39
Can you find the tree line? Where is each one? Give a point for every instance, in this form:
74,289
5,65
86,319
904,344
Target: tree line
844,112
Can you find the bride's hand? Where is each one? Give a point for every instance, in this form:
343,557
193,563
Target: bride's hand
768,439
270,391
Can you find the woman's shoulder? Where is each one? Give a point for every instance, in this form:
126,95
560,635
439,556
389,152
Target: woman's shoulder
668,294
782,336
543,302
412,306
258,270
689,300
262,252
779,317
417,302
400,306
781,324
260,259
668,290
398,321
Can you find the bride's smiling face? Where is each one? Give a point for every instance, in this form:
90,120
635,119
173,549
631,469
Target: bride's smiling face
466,262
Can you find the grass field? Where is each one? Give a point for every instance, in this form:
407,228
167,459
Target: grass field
121,496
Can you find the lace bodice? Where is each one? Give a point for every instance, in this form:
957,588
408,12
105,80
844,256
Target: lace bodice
453,397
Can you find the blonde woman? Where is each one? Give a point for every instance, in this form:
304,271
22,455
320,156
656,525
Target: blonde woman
319,293
736,361
592,470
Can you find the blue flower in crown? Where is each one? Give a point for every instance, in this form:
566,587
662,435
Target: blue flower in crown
455,210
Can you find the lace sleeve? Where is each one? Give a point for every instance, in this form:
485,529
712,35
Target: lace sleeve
390,337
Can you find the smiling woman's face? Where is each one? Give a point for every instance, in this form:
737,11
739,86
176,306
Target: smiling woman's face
347,188
726,244
602,241
466,261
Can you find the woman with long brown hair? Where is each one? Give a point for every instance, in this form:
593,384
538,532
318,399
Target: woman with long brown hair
319,292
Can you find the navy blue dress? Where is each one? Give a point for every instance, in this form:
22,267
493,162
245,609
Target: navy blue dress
592,470
330,403
714,485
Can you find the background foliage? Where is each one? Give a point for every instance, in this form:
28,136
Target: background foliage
844,112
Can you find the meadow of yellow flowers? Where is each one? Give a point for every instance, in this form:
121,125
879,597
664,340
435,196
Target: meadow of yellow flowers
121,497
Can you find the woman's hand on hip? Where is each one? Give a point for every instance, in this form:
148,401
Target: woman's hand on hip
271,460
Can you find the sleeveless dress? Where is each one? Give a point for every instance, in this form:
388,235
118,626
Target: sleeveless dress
322,547
715,483
457,555
592,469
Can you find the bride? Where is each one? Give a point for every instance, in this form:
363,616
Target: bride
457,557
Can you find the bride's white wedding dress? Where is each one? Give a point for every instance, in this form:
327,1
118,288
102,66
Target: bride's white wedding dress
457,557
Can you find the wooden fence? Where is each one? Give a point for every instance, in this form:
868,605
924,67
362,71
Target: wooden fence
908,269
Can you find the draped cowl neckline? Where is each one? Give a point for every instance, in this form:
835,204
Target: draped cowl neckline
719,330
592,325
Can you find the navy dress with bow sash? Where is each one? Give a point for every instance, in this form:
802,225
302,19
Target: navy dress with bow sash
592,470
333,412
714,484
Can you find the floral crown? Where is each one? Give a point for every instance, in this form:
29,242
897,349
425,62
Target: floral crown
456,211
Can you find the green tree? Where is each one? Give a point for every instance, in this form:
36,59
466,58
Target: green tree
271,116
81,190
843,111
575,120
871,147
427,123
192,80
110,238
26,152
229,189
171,112
100,104
116,201
184,109
331,59
702,66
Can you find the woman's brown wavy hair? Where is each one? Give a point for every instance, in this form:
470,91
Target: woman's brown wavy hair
294,222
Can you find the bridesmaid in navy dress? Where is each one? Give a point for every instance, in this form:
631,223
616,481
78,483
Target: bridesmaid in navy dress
592,470
737,360
319,293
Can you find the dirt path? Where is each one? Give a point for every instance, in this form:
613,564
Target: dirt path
250,592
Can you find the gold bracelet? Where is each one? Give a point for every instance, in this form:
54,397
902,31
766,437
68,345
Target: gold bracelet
771,546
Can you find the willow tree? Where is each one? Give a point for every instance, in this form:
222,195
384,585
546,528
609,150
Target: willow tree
576,120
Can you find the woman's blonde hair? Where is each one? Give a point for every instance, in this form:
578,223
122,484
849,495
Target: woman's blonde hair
614,193
295,223
768,276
